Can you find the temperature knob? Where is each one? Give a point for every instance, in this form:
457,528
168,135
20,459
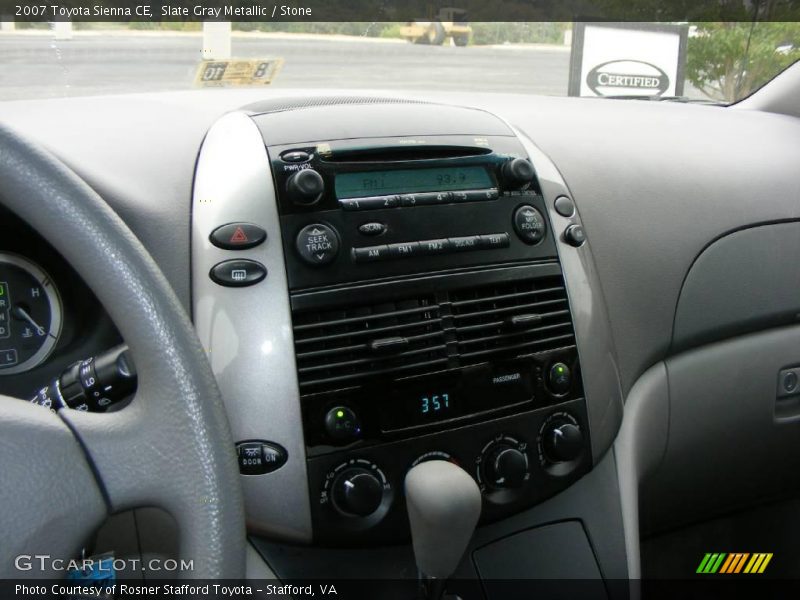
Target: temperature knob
506,467
305,187
358,492
504,464
561,439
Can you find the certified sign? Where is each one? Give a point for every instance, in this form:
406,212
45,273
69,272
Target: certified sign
237,72
627,77
627,59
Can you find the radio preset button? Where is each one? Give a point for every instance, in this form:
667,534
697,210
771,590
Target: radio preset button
370,202
371,228
317,244
370,253
529,224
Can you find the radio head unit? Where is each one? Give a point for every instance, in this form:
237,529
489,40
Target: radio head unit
359,209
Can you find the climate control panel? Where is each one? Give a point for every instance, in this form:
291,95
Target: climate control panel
517,461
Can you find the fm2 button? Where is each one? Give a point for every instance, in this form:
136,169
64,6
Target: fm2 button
529,224
238,273
317,244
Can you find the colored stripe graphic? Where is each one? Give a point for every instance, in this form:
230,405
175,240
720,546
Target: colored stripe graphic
726,565
735,558
703,563
735,562
767,558
740,564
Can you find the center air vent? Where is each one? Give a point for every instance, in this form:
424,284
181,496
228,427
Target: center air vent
343,347
512,319
349,346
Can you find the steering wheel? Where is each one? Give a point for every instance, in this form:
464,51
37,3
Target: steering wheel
64,473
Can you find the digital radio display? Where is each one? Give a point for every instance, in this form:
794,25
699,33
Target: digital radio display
409,181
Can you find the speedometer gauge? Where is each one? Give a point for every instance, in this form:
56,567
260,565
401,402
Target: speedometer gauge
30,314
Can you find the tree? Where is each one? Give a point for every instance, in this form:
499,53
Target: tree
728,61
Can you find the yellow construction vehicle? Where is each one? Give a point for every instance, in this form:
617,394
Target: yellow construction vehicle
448,23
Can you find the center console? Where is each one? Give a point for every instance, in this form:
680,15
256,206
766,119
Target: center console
381,285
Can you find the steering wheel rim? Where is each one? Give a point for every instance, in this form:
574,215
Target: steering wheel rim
170,448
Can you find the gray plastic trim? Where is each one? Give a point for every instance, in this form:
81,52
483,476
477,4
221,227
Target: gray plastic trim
247,331
589,314
741,283
729,445
639,449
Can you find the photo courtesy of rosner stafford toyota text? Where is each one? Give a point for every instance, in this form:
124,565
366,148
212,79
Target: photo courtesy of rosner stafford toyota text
399,300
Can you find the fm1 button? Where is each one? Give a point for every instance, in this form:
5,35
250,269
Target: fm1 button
529,224
237,236
238,273
317,244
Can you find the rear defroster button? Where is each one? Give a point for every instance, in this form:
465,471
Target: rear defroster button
238,272
317,244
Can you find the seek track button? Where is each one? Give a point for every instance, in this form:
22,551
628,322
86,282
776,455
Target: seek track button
317,244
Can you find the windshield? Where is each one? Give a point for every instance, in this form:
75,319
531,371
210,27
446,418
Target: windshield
708,61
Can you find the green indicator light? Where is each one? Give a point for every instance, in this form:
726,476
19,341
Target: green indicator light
340,413
560,369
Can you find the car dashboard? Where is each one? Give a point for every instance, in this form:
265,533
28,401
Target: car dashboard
536,289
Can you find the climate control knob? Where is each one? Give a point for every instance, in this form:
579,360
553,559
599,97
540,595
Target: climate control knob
517,173
503,467
357,492
562,439
305,187
506,468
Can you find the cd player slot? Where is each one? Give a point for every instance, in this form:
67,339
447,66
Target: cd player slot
404,153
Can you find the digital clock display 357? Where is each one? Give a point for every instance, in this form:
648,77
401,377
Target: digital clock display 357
409,181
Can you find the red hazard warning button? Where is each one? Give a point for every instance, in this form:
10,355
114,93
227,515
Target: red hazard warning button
238,236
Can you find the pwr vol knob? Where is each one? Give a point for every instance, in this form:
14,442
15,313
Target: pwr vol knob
305,187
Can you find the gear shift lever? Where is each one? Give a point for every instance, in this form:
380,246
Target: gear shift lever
444,504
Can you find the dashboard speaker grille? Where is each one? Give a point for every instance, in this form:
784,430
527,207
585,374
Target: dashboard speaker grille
348,346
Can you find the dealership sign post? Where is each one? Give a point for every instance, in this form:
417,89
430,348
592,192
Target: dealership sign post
627,59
